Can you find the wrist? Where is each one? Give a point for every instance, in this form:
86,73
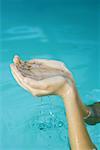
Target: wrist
67,91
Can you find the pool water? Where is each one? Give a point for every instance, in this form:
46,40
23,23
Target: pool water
62,30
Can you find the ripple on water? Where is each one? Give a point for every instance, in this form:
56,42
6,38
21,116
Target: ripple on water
48,123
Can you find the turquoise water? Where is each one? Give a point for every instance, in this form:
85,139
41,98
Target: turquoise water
63,30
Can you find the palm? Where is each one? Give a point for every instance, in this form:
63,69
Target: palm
40,77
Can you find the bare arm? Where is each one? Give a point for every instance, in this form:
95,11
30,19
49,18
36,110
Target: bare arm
78,134
59,85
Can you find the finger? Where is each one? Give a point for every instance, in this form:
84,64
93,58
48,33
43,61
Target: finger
34,92
49,63
37,61
54,64
15,70
17,60
18,80
18,77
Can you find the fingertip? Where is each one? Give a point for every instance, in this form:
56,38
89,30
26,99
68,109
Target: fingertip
16,59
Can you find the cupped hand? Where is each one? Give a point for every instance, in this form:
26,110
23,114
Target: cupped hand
41,76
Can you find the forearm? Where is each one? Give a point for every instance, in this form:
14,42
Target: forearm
79,137
83,108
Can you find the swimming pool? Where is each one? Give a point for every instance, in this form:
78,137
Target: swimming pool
61,30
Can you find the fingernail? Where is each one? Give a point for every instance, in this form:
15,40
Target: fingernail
16,59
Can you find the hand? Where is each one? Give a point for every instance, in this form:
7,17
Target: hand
55,76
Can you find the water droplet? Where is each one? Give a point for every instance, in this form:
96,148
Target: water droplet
60,124
42,126
51,113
